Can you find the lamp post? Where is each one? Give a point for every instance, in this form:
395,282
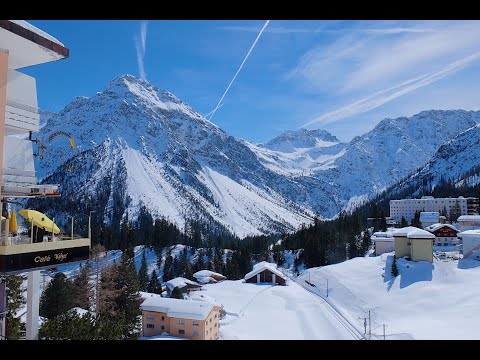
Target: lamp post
89,223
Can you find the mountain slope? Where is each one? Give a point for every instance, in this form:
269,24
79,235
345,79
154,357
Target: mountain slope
455,160
168,157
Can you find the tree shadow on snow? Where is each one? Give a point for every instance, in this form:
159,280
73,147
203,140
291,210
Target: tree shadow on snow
410,272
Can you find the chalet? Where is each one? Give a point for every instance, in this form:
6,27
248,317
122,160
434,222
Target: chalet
470,243
265,272
445,234
384,242
191,319
208,277
414,243
183,284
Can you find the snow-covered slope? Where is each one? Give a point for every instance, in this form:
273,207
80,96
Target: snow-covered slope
160,152
299,152
352,173
140,144
457,160
426,301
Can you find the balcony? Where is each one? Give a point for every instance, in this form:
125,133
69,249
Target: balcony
20,252
21,115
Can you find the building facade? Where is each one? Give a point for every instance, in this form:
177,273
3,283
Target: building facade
191,319
408,207
383,242
445,234
414,243
470,244
468,222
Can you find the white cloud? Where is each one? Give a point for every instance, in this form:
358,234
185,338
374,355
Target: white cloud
381,97
141,47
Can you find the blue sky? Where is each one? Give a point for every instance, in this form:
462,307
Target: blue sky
341,76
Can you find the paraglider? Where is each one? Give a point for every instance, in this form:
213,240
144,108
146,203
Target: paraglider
42,147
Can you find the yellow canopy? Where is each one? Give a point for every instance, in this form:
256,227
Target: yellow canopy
40,220
13,222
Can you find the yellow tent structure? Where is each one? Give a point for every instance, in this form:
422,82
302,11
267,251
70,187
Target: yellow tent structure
40,220
13,226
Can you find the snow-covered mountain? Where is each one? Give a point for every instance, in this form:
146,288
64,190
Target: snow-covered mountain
140,144
455,160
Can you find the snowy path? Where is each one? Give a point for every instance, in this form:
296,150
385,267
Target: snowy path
275,312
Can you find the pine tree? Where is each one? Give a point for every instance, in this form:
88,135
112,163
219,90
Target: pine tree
57,298
128,300
394,270
177,293
366,241
383,221
143,274
106,292
15,300
154,285
68,326
403,222
82,290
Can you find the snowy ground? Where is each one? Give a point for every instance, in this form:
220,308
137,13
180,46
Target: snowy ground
426,301
273,312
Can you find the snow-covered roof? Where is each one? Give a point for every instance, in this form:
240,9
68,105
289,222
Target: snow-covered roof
28,26
206,273
429,216
264,265
195,295
144,295
383,238
469,218
206,280
412,232
469,232
180,282
80,312
185,309
380,234
435,227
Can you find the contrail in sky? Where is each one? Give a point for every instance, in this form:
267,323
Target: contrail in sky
140,45
240,68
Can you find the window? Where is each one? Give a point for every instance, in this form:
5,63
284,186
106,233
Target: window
215,316
210,320
195,333
163,318
195,323
150,326
215,325
181,321
150,317
206,332
181,331
163,327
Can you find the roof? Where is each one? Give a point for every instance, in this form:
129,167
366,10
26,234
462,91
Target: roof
380,234
412,232
206,273
196,296
264,265
435,227
469,218
185,309
27,45
470,232
429,216
206,280
180,282
384,239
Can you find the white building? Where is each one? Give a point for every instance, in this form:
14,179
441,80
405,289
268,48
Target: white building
470,243
407,207
384,242
468,222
